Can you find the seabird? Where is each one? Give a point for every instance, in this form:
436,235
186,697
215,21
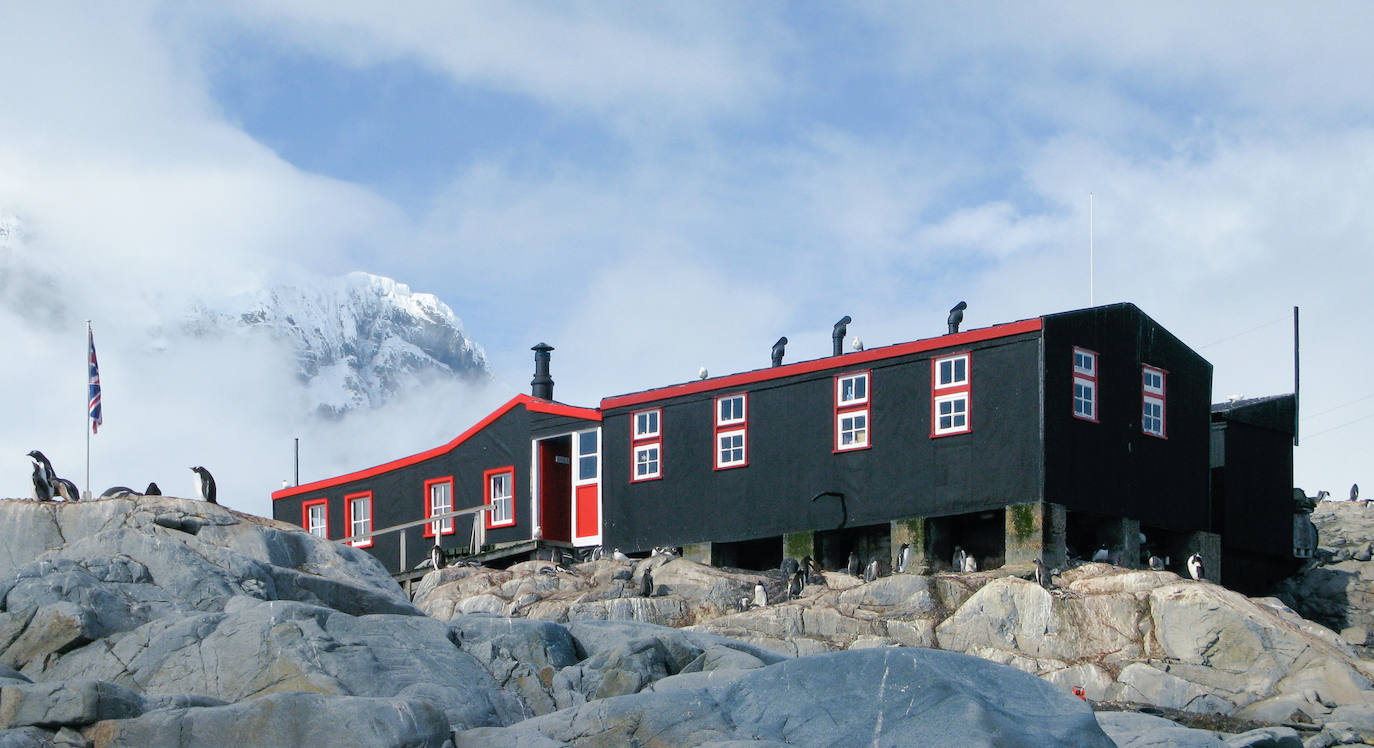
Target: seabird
436,557
779,348
1195,569
551,571
1156,563
871,573
44,487
118,492
1042,575
152,490
813,572
857,345
598,553
66,489
796,584
646,584
904,559
702,373
618,556
957,563
1102,556
853,566
970,564
744,604
1354,492
205,484
789,566
956,315
760,594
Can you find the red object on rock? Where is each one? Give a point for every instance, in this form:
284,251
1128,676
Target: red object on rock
1080,693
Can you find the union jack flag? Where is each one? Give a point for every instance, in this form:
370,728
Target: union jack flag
94,403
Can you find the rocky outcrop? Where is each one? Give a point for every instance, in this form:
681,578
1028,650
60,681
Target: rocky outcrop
1135,636
1337,588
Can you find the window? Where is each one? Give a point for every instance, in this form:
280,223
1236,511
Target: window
851,412
646,464
315,517
439,500
950,395
646,445
500,494
646,424
587,453
1152,397
731,431
1085,384
358,507
730,449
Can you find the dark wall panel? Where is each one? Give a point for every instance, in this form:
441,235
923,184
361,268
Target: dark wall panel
1112,467
1257,490
791,454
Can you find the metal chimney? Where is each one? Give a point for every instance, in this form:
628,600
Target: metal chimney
779,348
837,335
542,384
956,315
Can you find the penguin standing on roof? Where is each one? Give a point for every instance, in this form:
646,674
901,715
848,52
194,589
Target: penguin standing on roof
44,487
205,484
1195,569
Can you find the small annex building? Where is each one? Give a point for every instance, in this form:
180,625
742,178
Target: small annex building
1052,437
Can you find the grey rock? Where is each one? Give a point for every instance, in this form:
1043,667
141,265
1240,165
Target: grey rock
522,655
1137,730
1358,716
284,719
1266,737
27,737
66,703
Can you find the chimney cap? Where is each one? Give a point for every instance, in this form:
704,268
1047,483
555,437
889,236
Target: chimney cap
541,347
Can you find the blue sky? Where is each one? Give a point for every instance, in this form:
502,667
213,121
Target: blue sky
655,188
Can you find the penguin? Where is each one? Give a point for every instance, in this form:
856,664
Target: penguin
957,563
152,490
796,584
853,566
436,557
789,566
744,604
760,594
956,315
66,489
1195,569
1102,556
1042,574
1354,492
871,573
904,559
646,584
618,556
205,484
813,572
1156,563
970,564
118,492
598,553
549,571
44,487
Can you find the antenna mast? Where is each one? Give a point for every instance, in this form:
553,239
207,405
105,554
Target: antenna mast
1091,301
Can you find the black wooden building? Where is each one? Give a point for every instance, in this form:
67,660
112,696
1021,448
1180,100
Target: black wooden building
1060,435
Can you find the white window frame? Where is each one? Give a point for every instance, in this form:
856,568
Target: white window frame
939,365
1085,377
581,457
353,521
953,428
642,420
724,460
320,529
743,417
860,434
656,460
1152,398
502,512
848,402
445,526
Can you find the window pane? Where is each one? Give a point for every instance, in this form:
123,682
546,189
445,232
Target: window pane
586,443
586,468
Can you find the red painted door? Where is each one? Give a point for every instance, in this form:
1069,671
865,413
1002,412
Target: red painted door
555,488
588,521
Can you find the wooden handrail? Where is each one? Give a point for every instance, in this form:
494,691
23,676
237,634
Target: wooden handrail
415,523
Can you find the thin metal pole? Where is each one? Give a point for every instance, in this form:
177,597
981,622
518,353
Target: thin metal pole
298,461
86,419
1091,258
1295,376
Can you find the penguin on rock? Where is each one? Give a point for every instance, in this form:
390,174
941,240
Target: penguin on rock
205,484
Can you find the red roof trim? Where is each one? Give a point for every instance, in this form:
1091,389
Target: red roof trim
846,361
533,404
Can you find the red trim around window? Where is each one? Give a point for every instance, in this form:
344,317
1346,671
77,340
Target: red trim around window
634,425
634,460
1090,379
486,495
348,517
1148,395
938,393
429,507
853,407
847,361
740,425
305,514
532,404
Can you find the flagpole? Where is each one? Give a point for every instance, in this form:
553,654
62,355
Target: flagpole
86,422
